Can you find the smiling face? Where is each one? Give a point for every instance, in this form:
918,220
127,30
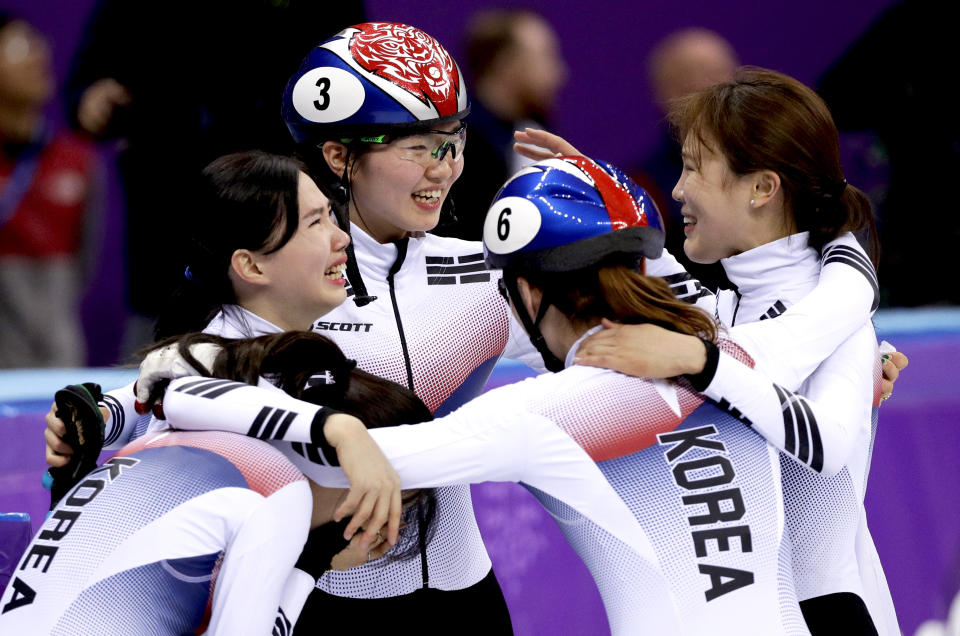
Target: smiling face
306,275
718,220
393,197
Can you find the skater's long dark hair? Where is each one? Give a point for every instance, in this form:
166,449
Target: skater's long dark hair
290,360
248,200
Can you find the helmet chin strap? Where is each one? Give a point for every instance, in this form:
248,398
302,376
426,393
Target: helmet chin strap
448,216
360,295
552,362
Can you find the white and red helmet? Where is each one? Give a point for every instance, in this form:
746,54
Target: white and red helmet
370,79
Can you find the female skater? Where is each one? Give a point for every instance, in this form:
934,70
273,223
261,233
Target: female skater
377,112
436,325
177,521
261,232
763,192
569,234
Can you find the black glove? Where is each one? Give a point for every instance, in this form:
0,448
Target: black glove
77,407
324,543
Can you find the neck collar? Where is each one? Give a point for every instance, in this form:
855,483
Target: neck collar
568,361
235,321
375,259
781,263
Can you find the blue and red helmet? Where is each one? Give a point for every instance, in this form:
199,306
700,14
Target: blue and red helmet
373,78
569,213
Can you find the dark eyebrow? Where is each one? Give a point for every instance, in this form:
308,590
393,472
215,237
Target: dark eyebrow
692,157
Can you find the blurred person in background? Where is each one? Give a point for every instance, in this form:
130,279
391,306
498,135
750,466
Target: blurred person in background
892,82
514,59
684,62
47,204
181,87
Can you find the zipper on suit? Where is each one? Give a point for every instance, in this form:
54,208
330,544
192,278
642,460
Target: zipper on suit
397,264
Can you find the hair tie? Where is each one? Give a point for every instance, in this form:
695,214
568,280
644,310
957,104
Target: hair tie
836,191
336,378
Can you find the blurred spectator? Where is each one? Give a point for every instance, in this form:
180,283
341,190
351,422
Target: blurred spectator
181,84
46,207
514,60
894,80
684,62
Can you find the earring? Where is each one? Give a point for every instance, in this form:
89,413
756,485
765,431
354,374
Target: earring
751,203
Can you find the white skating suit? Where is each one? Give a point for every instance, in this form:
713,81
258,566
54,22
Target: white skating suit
453,324
825,461
173,527
681,526
438,326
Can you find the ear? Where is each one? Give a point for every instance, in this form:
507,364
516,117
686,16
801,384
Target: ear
766,186
530,296
335,154
245,266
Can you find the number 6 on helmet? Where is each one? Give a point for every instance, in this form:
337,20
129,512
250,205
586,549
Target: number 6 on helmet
562,215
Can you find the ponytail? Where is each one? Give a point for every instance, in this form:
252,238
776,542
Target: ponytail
621,293
194,303
860,220
633,297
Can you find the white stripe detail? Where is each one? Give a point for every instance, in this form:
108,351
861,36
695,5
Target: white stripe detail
668,392
180,576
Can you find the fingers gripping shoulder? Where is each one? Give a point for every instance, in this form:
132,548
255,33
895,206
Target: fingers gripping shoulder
167,363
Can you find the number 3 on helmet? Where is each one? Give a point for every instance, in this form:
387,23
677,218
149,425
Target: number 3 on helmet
371,76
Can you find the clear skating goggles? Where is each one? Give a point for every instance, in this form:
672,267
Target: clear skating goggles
427,148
